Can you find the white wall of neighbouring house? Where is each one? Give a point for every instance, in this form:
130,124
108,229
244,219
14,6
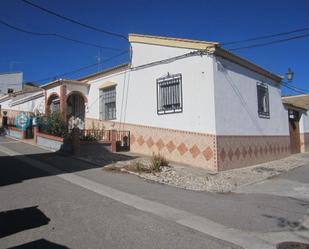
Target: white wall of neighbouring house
31,105
236,102
94,94
5,104
137,96
304,122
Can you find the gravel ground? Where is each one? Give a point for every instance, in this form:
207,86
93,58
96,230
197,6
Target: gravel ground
202,180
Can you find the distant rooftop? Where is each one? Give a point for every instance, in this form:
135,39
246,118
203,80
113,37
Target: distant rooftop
10,72
300,101
105,72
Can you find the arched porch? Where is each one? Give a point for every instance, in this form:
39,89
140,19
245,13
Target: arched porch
52,103
76,108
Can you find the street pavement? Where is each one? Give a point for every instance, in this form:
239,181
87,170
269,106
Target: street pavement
50,200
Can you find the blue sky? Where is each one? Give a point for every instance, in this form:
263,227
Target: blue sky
223,21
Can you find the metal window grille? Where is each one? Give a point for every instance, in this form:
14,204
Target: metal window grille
108,103
263,100
169,94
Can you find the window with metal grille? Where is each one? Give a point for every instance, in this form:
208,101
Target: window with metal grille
263,100
108,103
169,94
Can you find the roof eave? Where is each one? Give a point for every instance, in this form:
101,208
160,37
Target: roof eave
109,71
24,100
295,107
62,81
171,42
246,63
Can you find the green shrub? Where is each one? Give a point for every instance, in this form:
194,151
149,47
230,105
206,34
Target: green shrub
157,162
53,124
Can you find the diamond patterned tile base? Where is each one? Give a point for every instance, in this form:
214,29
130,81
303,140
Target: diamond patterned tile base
241,151
215,153
192,148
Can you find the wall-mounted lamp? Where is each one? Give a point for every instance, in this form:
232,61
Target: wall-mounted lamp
290,75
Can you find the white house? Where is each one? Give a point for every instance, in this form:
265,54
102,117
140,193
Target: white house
190,100
10,82
30,100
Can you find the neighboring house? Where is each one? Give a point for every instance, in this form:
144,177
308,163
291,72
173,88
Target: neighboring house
190,100
11,82
298,122
29,100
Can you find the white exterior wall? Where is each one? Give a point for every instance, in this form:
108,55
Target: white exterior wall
304,122
28,106
94,95
31,106
11,80
236,102
6,104
146,53
84,89
140,97
55,89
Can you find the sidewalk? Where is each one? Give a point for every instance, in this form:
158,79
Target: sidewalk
197,179
192,178
244,219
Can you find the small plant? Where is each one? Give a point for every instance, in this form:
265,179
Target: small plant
157,162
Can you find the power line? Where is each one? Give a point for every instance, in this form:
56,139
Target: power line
269,43
75,21
265,37
82,68
57,35
294,88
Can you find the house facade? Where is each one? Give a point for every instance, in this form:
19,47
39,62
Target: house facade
215,123
29,101
10,82
191,101
298,122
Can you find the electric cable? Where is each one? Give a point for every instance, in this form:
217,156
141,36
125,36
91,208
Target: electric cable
75,21
265,36
270,43
82,68
58,36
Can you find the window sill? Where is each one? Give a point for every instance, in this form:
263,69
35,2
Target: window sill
264,115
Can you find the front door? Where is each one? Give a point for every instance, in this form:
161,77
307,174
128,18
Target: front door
294,117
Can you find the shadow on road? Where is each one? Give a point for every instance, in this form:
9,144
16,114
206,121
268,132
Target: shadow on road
15,171
40,244
17,220
285,223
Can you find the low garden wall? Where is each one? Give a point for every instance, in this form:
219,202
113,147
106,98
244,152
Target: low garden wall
50,141
16,132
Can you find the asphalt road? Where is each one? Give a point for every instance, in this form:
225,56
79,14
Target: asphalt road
48,200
